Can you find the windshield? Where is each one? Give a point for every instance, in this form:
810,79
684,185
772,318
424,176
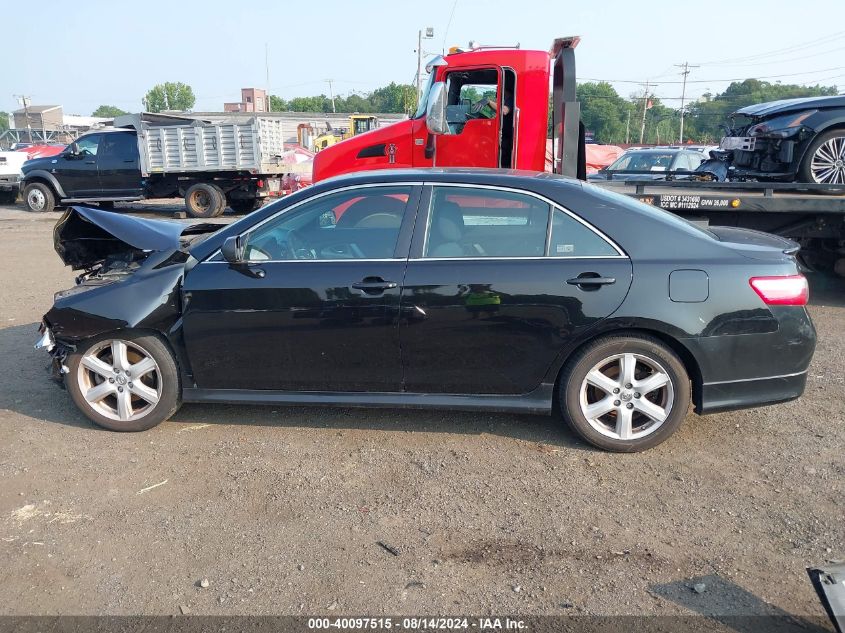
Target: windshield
643,161
424,95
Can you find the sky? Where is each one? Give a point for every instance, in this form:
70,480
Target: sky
111,52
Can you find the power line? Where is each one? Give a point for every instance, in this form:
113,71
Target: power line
795,47
705,81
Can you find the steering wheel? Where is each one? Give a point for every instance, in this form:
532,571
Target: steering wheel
475,110
296,247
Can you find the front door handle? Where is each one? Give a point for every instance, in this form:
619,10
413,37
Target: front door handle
591,279
90,162
373,285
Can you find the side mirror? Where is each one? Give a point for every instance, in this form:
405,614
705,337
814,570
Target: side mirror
73,149
232,250
436,111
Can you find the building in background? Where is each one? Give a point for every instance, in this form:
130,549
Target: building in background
252,100
47,124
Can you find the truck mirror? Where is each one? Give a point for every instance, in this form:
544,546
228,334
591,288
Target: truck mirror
73,149
232,251
436,111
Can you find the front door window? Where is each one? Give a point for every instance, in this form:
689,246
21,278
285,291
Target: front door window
359,224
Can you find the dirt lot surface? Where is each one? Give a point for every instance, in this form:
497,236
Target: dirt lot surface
282,509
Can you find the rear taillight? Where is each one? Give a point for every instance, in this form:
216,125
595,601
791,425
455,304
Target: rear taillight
789,290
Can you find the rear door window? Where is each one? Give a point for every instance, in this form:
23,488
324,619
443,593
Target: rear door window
571,238
119,145
474,222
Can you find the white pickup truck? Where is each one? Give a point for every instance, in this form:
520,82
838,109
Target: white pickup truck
10,175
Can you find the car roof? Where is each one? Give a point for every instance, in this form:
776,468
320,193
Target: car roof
482,176
659,150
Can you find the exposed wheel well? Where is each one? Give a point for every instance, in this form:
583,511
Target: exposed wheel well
43,181
688,360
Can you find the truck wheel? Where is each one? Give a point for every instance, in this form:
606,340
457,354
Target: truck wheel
824,162
204,200
242,205
39,198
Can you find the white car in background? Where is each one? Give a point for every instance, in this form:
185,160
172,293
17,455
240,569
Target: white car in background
10,175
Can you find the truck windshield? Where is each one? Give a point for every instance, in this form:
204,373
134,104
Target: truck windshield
424,96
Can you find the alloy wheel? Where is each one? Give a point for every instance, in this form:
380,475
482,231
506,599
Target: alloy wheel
828,164
36,200
627,396
119,380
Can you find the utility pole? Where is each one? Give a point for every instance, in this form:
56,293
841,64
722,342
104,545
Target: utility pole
645,107
267,68
628,128
331,93
25,101
419,64
429,34
686,66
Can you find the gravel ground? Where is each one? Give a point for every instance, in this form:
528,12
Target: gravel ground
282,509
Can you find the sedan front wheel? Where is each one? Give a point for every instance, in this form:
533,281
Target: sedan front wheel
625,394
124,382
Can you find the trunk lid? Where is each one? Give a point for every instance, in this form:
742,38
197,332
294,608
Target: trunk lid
86,238
755,244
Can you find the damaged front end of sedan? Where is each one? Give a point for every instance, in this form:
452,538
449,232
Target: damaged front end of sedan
792,140
141,263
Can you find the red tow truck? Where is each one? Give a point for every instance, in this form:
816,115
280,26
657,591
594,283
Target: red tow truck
489,107
482,107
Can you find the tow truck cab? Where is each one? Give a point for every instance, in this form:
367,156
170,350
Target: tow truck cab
483,107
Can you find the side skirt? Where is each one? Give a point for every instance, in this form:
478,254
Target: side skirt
538,401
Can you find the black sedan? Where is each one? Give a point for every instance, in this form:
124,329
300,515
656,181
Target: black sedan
792,140
458,289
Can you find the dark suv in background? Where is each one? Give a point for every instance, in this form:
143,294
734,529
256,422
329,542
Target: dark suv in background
99,167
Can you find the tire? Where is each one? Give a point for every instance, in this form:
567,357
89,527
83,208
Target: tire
39,198
603,360
826,148
204,200
244,206
101,389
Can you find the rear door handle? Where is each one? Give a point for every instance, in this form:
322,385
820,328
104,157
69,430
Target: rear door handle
374,285
586,280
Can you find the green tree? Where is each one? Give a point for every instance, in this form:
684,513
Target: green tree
394,98
603,111
277,104
169,96
108,111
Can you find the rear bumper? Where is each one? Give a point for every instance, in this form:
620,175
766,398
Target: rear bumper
10,183
744,394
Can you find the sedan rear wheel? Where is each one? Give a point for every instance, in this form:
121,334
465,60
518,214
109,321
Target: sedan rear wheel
125,383
625,394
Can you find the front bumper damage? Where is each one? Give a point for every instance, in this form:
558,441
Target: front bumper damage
765,157
57,350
